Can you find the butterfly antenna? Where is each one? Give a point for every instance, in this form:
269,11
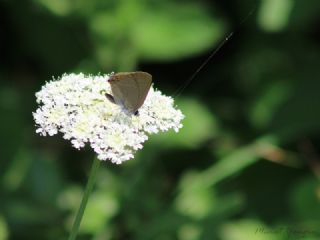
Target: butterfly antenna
187,83
213,53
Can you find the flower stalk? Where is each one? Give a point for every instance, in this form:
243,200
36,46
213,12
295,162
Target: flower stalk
85,197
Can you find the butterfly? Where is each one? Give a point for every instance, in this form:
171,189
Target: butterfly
129,89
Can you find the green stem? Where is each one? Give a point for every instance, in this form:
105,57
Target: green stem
89,187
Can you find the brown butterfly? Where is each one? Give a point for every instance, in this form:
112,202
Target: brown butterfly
129,89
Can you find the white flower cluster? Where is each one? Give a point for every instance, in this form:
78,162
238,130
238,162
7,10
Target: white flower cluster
76,106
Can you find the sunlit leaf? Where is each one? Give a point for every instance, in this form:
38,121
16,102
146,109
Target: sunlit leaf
251,229
4,231
175,31
199,125
274,14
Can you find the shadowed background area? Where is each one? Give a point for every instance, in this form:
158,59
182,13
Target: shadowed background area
246,164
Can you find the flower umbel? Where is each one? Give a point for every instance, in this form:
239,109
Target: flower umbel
76,106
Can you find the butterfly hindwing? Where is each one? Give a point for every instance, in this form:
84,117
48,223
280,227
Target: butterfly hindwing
130,89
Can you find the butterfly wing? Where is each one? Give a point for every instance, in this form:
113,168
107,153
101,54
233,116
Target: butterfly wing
130,89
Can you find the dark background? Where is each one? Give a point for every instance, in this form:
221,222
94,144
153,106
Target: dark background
244,166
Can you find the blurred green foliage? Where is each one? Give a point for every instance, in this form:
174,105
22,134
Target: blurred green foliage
246,165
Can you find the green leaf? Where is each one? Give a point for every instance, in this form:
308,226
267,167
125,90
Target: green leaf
101,208
251,229
305,199
198,126
175,31
198,200
4,233
268,103
274,14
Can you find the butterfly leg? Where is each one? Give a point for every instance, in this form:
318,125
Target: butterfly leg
110,98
